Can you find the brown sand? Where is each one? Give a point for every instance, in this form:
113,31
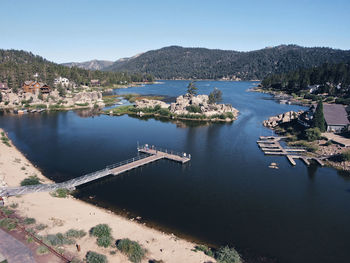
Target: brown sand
62,214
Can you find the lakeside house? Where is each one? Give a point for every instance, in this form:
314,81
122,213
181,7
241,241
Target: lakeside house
313,88
35,86
3,86
95,83
336,117
61,81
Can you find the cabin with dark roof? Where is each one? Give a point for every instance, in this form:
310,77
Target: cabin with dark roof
336,117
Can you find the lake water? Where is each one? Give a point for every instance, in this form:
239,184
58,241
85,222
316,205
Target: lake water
226,195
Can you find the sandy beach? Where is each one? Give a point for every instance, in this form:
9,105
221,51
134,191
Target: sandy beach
62,214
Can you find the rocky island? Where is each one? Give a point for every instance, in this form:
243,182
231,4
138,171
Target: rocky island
186,107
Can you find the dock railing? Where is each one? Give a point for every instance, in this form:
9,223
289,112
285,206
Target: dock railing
147,147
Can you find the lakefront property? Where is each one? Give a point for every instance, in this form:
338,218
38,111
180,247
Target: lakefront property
173,131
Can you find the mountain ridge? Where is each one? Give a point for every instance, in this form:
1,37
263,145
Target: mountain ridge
94,64
176,62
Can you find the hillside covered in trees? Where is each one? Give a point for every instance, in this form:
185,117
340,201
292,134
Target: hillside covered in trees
19,66
176,62
331,79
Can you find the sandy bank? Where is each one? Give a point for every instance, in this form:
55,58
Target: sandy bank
62,214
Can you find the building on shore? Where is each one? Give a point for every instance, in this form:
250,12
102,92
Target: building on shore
3,86
61,81
95,83
35,86
336,117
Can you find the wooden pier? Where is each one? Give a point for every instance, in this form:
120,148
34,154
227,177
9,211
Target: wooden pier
270,146
151,154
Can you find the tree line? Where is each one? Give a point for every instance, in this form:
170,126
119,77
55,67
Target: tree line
19,66
333,79
200,63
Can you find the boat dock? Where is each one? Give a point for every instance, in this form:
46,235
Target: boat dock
150,154
270,145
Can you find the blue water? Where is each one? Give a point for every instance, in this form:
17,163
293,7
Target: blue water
226,195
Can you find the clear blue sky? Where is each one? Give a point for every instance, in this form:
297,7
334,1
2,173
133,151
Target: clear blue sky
80,30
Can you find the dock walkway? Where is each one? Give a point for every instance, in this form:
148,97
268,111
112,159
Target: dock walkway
270,146
151,154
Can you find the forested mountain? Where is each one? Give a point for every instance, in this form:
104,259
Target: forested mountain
91,65
19,66
333,79
201,63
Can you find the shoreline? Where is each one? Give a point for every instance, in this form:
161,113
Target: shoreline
79,214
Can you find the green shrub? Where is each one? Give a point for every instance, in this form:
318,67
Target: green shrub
31,180
41,227
132,249
229,115
345,156
73,233
312,134
29,239
41,106
8,223
206,250
93,257
5,140
29,221
342,101
329,143
104,241
164,112
56,106
6,210
101,230
328,99
58,240
228,255
42,250
60,193
194,109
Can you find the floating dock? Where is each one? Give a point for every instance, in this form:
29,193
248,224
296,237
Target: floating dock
270,146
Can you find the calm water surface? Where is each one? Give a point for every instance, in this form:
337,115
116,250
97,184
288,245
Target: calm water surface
225,195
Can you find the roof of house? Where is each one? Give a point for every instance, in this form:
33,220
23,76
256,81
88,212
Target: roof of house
28,82
335,114
3,85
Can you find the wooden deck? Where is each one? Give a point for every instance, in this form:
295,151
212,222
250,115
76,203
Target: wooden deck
170,155
270,146
151,155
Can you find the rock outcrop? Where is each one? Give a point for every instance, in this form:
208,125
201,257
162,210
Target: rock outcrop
145,103
282,118
190,104
17,100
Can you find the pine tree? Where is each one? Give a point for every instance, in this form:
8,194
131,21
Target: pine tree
191,88
318,120
215,96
